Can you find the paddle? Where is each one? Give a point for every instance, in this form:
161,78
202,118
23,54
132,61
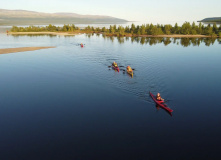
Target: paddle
125,70
115,68
79,44
111,66
123,66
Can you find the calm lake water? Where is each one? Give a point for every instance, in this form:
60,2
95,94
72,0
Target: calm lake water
66,103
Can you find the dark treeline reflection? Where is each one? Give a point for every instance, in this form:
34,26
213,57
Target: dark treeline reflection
158,40
144,40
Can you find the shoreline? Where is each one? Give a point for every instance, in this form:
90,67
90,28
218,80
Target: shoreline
22,49
110,35
44,33
176,36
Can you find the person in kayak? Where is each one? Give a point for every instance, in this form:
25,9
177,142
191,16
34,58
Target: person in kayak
114,64
129,68
158,97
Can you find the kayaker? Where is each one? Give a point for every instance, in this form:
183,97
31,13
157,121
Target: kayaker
114,64
158,97
129,68
82,45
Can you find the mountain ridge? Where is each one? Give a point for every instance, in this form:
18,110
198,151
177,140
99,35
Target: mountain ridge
32,17
211,19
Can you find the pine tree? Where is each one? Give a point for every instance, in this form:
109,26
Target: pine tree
186,28
121,30
147,29
143,32
103,29
209,30
132,28
175,29
115,28
215,28
112,29
138,32
167,29
127,29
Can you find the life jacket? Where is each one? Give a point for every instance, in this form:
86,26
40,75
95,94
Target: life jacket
115,64
158,98
129,68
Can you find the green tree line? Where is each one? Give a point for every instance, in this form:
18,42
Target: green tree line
146,29
49,28
150,29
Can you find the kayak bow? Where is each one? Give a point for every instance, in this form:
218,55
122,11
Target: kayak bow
161,103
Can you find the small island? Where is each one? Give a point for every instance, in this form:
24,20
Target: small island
145,30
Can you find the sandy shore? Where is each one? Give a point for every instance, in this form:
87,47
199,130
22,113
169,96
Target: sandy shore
177,36
22,49
44,33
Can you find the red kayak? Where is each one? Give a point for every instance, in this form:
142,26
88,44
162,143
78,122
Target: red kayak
161,103
116,68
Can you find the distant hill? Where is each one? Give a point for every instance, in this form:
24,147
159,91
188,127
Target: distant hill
23,17
212,19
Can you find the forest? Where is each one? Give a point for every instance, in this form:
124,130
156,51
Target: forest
146,29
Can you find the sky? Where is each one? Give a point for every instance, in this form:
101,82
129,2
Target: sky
154,11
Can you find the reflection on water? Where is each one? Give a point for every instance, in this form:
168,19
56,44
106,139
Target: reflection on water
185,42
68,98
157,40
154,80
